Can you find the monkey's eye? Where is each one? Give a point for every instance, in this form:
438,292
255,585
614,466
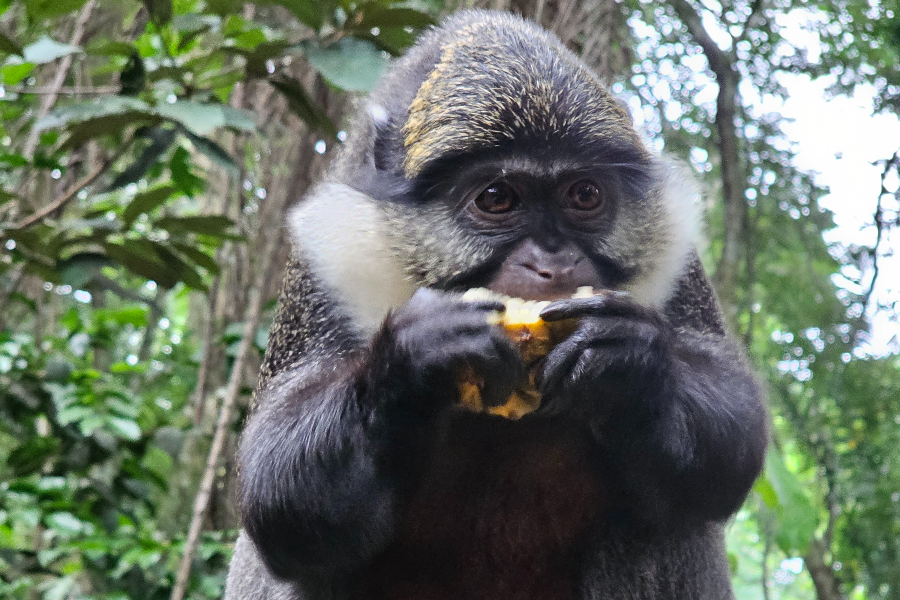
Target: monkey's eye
497,198
584,195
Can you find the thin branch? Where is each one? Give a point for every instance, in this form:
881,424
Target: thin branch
73,90
59,77
891,163
203,374
201,502
73,191
105,283
718,60
18,272
755,9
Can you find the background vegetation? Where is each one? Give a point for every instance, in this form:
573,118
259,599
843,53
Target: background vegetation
148,151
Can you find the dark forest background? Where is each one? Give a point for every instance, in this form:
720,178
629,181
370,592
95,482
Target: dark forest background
148,151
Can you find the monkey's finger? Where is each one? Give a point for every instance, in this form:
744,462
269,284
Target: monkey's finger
605,304
581,389
487,305
557,365
429,297
502,374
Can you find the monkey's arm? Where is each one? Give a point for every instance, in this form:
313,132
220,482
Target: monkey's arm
337,439
677,414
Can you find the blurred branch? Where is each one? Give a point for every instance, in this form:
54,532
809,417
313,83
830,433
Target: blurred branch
15,280
201,502
73,191
824,579
101,90
59,77
889,164
105,283
199,394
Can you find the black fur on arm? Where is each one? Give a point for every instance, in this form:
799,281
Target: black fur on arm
676,410
696,453
322,466
337,440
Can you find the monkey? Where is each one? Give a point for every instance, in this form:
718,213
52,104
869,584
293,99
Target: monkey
491,156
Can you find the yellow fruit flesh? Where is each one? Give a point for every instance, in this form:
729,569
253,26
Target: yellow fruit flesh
534,338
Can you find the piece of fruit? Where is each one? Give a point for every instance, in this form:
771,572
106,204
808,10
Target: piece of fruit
534,338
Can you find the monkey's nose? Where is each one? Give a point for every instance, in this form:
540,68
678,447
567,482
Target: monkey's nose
536,273
557,269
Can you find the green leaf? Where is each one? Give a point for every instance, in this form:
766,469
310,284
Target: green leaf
31,456
258,54
145,202
199,257
180,168
47,50
238,118
375,14
114,124
214,151
161,140
139,257
8,46
303,106
99,107
65,522
73,414
129,315
14,72
185,272
158,461
225,8
193,22
797,518
199,118
769,496
126,428
160,11
106,47
214,225
350,64
80,268
133,76
13,160
47,9
310,12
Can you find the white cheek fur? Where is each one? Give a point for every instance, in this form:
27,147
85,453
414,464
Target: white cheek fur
342,234
682,215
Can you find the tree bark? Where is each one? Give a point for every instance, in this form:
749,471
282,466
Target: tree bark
823,576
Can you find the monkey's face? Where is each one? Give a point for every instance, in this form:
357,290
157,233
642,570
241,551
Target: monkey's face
501,161
539,222
534,227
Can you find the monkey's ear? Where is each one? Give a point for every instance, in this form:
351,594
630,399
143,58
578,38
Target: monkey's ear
623,104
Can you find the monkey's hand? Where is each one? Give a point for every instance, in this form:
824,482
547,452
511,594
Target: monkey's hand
616,363
676,415
422,348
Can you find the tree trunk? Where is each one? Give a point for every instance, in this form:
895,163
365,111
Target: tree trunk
822,573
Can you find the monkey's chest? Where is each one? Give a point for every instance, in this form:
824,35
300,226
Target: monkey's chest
502,513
